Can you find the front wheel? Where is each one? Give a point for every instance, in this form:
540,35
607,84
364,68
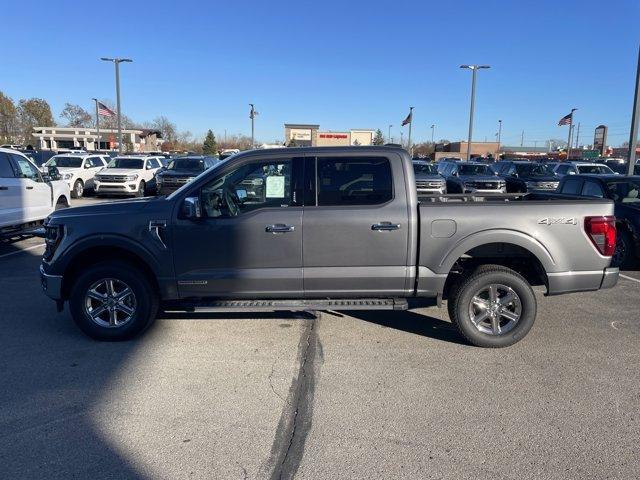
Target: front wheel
141,189
113,301
78,189
493,307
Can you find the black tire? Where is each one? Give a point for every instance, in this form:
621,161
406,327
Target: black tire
141,189
624,256
460,299
78,189
146,300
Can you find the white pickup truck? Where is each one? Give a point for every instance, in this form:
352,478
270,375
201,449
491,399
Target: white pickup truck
77,169
27,196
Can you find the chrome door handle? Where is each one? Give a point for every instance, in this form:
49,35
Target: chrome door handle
279,228
385,226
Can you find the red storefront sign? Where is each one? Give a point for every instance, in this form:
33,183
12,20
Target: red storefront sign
333,135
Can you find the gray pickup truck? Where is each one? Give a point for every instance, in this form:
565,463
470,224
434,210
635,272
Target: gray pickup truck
323,229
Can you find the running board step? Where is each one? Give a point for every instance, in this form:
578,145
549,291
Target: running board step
295,305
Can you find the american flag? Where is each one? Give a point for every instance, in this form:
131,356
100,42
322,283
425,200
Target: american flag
567,119
105,111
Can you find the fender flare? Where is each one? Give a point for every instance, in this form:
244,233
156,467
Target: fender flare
67,256
485,237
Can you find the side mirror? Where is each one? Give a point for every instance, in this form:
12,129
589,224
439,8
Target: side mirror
86,165
190,209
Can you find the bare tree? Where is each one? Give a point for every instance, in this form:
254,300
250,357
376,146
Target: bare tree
167,128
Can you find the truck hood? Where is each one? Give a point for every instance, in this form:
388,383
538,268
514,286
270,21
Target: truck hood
120,171
431,177
539,178
115,207
180,173
480,178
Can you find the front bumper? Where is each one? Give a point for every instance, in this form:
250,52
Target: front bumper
436,191
582,281
481,190
129,188
51,284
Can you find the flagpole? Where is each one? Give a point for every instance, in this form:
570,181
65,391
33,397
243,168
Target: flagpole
97,125
570,132
410,123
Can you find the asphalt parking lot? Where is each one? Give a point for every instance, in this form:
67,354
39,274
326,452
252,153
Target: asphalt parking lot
367,395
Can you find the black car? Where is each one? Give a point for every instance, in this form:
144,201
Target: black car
182,170
625,193
470,177
524,176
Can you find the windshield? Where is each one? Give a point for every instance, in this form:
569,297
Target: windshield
132,163
597,169
68,162
187,164
474,170
625,192
425,168
533,169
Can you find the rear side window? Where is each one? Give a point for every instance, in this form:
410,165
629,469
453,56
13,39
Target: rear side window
572,186
592,189
6,169
354,181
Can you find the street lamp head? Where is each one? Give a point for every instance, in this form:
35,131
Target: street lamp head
124,60
467,66
105,59
483,66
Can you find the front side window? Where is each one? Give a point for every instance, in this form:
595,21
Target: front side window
265,184
6,169
354,181
25,169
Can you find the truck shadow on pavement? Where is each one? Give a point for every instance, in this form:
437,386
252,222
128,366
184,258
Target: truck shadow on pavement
54,382
412,322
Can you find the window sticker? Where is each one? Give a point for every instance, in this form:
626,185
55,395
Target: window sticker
275,187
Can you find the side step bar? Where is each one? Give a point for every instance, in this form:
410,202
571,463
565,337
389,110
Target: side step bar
291,305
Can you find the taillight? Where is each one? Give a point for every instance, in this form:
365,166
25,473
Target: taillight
602,232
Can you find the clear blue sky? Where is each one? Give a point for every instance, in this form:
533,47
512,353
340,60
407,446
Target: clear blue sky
342,64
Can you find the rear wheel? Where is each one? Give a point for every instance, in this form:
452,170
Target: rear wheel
113,301
493,307
624,255
78,189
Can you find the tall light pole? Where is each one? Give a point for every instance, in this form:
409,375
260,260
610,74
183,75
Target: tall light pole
433,128
389,137
117,62
252,116
499,132
635,119
474,69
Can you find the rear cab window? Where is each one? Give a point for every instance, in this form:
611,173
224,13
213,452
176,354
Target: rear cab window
572,186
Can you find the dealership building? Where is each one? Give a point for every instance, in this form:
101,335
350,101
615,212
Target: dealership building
56,138
310,135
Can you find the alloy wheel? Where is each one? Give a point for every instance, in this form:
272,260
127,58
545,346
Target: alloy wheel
110,303
495,309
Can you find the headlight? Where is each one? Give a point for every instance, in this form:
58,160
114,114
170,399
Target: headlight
131,178
67,176
52,236
190,179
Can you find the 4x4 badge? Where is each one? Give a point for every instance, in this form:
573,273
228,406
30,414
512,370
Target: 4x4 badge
558,221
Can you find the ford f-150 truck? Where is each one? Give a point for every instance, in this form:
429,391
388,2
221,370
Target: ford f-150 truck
331,229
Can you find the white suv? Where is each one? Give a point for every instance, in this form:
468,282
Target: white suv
78,170
26,196
127,175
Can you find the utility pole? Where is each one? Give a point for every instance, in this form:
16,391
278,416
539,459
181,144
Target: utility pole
97,125
117,62
433,127
389,137
474,69
635,118
499,132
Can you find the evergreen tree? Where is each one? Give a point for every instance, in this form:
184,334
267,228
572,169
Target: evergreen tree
210,147
379,138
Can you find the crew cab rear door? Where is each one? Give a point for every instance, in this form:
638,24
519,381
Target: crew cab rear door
35,194
355,238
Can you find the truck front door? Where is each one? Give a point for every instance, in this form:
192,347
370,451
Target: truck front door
355,226
248,243
35,194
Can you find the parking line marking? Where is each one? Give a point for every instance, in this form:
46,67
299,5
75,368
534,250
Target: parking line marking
23,250
630,278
